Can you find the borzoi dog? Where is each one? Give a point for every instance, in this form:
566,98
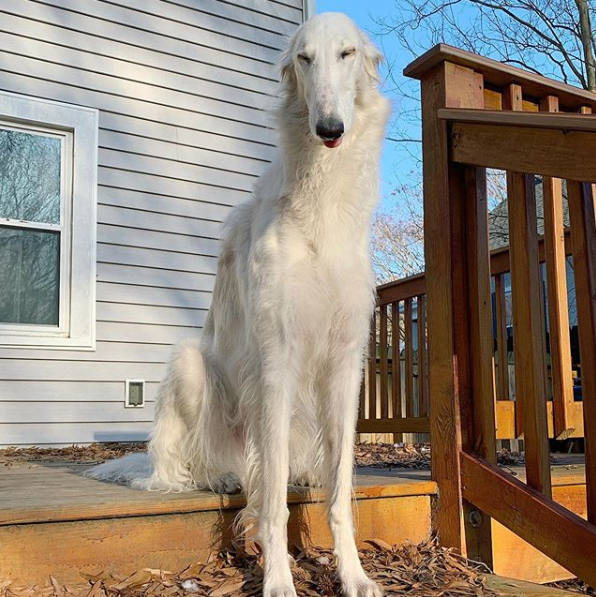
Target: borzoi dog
269,395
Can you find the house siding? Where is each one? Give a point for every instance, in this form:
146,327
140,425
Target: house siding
182,88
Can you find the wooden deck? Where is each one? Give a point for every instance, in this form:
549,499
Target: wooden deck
54,521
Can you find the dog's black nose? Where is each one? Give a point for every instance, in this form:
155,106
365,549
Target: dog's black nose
330,130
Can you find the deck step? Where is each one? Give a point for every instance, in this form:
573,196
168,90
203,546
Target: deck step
54,521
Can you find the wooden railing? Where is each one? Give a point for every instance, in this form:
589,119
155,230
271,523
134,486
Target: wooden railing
400,404
394,396
465,132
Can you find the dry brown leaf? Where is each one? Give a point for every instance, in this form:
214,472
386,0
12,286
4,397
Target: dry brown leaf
139,578
227,588
379,544
58,590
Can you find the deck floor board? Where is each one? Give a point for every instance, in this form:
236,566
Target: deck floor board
36,492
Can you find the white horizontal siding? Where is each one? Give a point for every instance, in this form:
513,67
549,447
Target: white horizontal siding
73,412
77,91
159,278
105,352
69,391
194,49
183,90
141,202
94,44
174,151
138,295
169,187
144,333
226,107
40,434
109,234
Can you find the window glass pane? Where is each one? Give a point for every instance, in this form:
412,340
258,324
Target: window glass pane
29,276
29,176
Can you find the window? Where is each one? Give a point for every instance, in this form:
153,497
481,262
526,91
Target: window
48,180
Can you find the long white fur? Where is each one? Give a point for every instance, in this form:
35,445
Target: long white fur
269,394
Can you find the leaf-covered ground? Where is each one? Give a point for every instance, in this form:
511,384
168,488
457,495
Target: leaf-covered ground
423,570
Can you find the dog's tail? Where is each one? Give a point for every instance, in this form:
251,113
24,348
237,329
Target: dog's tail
185,405
123,470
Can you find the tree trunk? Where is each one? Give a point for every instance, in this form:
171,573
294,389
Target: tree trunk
587,40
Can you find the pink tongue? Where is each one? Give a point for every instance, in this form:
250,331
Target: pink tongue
334,143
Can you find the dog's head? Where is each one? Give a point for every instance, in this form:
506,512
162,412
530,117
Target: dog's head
329,67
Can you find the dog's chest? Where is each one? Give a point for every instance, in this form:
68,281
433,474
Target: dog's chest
322,284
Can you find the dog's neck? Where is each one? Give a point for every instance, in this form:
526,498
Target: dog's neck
335,188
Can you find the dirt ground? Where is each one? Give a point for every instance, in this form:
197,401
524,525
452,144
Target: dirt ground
414,456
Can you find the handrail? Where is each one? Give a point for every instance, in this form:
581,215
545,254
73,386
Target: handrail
401,289
534,120
499,75
414,286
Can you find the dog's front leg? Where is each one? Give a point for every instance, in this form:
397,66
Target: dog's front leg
340,407
277,398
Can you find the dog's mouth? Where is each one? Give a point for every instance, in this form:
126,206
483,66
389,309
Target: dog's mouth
332,143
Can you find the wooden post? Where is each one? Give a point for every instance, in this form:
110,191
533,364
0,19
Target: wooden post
444,86
482,390
558,309
582,215
528,327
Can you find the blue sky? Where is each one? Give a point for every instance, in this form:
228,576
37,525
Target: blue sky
396,166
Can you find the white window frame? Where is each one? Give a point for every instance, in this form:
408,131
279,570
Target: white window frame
78,129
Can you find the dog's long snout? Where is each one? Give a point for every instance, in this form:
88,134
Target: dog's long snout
330,129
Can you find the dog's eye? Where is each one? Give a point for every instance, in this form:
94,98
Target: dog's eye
348,52
304,58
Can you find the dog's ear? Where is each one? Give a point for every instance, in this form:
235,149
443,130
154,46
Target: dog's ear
372,58
286,69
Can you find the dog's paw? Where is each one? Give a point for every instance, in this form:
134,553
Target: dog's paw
306,482
363,587
228,483
279,591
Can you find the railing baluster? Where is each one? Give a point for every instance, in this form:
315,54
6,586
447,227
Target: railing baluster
528,325
481,333
384,371
372,369
558,309
513,98
583,234
422,358
409,358
502,347
395,362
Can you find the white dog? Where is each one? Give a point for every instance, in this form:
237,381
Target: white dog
270,392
